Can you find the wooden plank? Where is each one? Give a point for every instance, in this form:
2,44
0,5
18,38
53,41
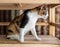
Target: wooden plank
30,1
28,45
38,23
55,24
29,39
13,6
4,23
8,1
52,19
42,23
7,23
41,1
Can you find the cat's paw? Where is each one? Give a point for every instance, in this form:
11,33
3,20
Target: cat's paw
38,39
21,40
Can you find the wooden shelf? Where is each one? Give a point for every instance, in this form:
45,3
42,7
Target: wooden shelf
4,23
29,39
28,45
31,1
47,41
38,23
42,23
17,6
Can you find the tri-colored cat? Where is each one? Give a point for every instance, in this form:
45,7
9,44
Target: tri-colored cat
28,22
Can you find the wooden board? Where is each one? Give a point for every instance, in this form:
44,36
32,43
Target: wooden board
30,1
31,40
38,23
28,45
47,41
17,6
4,23
42,23
52,19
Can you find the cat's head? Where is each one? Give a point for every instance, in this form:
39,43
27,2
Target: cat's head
41,10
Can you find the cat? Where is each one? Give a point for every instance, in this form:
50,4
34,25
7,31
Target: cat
28,23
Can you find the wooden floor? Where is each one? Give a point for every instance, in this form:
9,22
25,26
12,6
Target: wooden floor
31,40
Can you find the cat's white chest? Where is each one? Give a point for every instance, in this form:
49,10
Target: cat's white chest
33,17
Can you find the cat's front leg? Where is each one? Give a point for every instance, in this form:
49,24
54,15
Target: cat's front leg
33,31
21,38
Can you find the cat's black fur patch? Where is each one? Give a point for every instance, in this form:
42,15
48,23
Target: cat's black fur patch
9,31
25,19
7,37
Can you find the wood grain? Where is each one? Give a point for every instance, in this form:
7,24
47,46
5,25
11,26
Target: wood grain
29,39
30,1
